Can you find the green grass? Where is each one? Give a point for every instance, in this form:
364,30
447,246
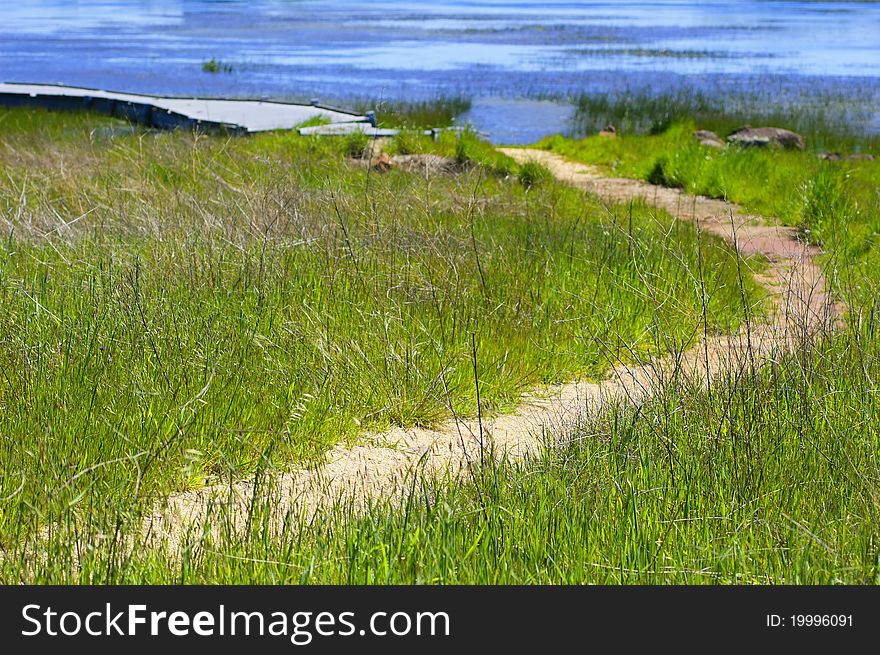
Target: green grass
837,203
770,476
180,308
357,145
533,174
464,146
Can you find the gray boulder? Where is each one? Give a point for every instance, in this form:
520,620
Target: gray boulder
707,138
767,136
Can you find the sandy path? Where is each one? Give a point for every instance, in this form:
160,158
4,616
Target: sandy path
384,463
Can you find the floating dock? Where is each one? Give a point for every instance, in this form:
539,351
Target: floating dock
165,112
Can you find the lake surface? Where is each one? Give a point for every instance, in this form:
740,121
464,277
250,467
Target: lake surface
519,61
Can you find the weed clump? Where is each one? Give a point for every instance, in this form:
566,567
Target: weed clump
216,66
438,112
357,145
533,174
664,172
464,154
406,142
826,203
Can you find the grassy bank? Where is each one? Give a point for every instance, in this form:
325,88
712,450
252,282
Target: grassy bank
829,120
837,203
179,309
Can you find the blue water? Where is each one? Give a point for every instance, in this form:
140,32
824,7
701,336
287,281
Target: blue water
495,52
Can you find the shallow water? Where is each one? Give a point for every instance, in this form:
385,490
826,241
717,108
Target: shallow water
496,52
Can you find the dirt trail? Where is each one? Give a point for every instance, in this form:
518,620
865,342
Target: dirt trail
383,464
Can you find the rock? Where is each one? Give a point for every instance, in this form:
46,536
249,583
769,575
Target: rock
708,138
835,156
610,132
765,136
383,163
425,164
